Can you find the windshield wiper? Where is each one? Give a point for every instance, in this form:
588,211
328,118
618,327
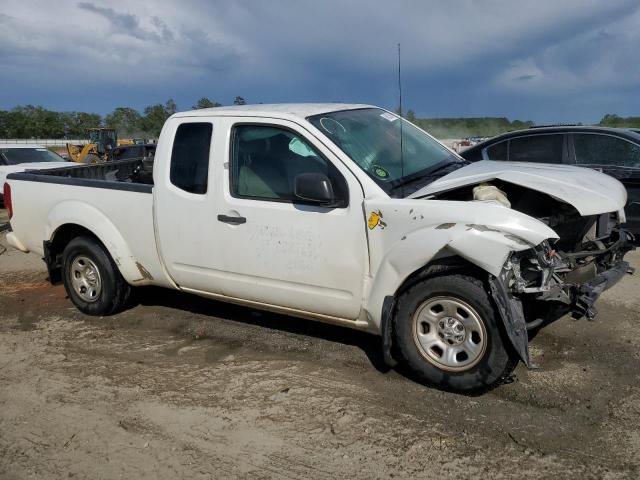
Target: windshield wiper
424,174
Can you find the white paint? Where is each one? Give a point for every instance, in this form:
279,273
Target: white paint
589,191
309,261
7,169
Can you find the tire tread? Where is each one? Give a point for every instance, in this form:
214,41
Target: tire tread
472,290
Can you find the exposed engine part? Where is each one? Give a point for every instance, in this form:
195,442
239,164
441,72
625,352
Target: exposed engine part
567,222
575,279
486,192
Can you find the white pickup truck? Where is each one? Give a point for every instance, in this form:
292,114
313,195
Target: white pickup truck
340,213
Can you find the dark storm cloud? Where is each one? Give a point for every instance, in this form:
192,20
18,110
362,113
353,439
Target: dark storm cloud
524,78
128,24
123,22
545,60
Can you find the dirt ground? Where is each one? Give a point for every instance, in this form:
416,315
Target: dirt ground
181,387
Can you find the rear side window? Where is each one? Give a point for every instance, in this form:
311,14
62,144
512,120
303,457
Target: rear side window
190,157
497,151
593,149
536,148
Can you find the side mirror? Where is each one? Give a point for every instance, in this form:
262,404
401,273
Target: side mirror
314,188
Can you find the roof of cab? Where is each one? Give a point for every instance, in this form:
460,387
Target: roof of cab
278,110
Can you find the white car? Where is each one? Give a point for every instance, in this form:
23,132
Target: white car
18,157
315,211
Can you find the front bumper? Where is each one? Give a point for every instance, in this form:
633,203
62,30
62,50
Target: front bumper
525,306
588,293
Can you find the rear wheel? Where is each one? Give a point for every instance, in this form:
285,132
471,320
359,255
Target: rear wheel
450,335
92,280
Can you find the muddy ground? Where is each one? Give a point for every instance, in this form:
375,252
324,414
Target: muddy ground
181,387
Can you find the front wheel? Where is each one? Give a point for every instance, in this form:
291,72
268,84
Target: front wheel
450,335
92,280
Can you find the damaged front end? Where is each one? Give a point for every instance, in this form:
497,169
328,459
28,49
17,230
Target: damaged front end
540,285
561,275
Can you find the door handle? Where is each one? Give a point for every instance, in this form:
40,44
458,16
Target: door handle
232,220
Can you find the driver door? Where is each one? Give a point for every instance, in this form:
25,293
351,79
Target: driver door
279,250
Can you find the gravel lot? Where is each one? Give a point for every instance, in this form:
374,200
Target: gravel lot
181,387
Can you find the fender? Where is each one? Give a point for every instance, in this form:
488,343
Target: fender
406,235
91,218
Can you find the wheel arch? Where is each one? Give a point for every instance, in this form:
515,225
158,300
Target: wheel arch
68,220
507,307
428,251
436,267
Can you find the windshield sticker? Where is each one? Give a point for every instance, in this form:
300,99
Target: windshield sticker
389,116
380,172
41,149
375,220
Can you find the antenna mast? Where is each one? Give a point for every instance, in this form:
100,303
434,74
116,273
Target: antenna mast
401,121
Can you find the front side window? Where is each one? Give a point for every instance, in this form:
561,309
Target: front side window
266,160
536,148
190,157
593,149
16,156
372,137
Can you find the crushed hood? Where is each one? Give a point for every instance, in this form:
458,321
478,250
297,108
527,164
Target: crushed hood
589,191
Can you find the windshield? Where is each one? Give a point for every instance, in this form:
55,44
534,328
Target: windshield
371,138
15,156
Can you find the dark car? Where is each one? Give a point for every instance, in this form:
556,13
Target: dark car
614,151
136,150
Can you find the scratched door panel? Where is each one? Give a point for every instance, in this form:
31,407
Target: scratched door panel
299,256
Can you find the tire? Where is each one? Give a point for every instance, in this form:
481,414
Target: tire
441,317
92,280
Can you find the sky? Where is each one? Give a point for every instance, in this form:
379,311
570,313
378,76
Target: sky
548,61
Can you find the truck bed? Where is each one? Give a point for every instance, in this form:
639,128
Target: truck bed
112,200
135,175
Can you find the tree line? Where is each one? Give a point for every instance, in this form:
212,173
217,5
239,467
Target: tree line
29,121
469,127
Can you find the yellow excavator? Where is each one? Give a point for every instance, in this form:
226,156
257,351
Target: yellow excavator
101,142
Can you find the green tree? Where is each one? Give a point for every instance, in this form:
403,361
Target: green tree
4,119
155,116
616,121
204,102
170,107
76,124
31,121
469,127
126,121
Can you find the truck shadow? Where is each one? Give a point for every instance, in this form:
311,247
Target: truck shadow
213,309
